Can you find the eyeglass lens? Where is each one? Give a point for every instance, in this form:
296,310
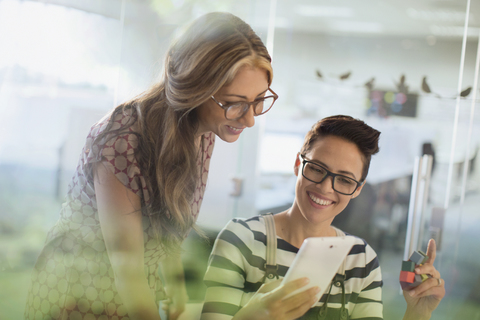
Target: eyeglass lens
237,110
317,173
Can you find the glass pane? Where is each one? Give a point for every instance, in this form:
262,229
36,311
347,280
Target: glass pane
63,65
68,63
394,65
58,71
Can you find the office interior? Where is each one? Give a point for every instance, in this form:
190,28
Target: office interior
407,68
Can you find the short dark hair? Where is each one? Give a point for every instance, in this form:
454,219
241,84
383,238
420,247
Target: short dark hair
352,130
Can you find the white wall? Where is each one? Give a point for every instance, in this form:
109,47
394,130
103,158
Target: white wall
304,99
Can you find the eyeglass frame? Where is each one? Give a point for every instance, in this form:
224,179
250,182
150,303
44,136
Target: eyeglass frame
253,103
329,174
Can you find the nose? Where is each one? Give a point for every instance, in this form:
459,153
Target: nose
326,185
248,119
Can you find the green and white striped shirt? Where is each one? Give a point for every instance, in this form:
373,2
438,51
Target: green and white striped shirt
237,266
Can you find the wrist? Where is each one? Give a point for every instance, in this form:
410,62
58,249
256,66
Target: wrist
412,315
174,280
242,314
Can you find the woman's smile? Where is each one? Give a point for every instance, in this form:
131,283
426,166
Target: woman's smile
319,200
234,130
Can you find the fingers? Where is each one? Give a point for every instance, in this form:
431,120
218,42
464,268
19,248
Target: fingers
302,308
298,301
291,286
294,306
298,304
302,297
267,287
434,287
431,251
427,269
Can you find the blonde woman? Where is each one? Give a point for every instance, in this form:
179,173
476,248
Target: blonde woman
141,177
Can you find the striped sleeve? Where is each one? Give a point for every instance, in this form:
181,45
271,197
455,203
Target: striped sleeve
225,275
369,304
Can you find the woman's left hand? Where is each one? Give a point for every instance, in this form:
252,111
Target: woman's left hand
177,298
423,299
176,301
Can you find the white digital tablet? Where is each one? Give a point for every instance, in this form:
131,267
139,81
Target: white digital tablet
319,259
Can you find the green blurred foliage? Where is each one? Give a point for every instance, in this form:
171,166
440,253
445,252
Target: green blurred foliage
13,293
29,208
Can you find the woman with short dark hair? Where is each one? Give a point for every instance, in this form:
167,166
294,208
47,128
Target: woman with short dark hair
331,169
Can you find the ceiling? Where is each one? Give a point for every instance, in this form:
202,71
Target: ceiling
405,18
412,18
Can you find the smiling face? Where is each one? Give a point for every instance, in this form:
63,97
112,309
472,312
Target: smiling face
249,84
319,203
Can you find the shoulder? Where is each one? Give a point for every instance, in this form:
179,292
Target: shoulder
114,120
123,144
254,223
362,258
114,141
113,134
127,136
369,253
361,246
243,227
244,232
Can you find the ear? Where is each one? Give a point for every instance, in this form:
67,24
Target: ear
359,189
296,168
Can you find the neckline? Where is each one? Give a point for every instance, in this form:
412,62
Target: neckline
338,233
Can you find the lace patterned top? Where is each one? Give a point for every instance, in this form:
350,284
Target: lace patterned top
73,278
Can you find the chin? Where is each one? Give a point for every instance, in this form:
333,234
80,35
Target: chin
229,138
315,217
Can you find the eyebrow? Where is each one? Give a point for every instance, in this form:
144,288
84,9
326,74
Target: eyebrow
243,97
343,172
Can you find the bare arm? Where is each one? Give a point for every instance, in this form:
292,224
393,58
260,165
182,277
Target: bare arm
121,223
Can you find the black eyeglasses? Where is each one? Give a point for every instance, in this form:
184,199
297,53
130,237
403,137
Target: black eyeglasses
236,110
316,173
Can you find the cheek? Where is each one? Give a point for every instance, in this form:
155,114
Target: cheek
209,116
298,183
202,112
301,190
217,115
343,201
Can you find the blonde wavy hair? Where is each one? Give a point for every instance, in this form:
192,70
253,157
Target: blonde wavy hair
203,60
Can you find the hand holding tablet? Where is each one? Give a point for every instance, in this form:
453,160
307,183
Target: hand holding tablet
318,259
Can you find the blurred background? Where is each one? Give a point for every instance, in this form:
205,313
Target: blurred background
407,68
